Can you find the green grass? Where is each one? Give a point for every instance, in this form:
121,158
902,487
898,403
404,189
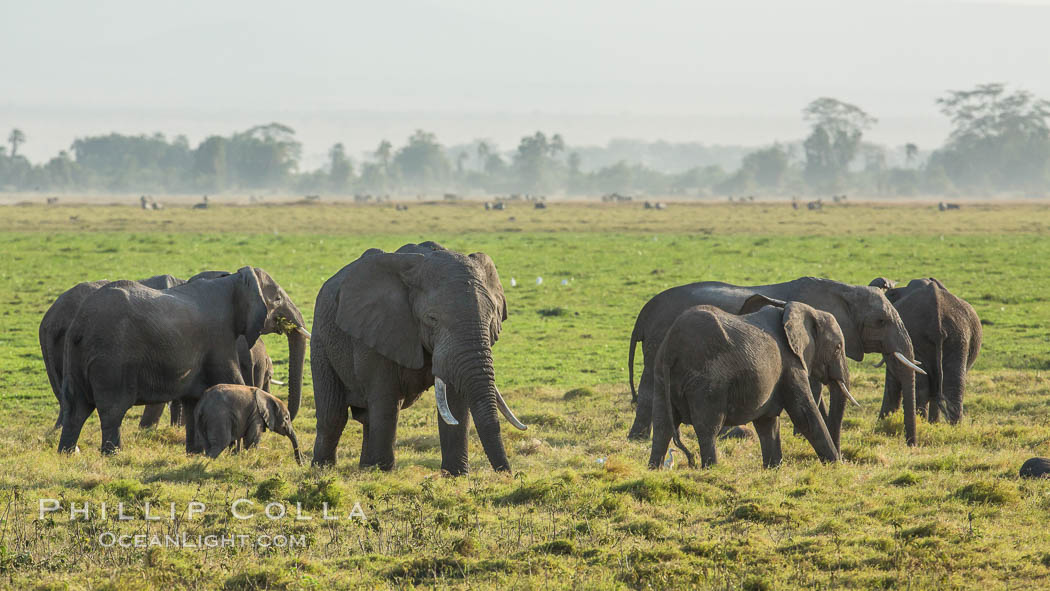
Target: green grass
580,509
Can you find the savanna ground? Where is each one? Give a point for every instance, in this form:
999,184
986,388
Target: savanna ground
580,509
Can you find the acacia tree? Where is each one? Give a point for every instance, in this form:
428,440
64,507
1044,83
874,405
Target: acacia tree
340,169
999,140
16,138
837,130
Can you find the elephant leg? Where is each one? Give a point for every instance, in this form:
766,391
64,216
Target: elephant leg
665,424
175,410
454,437
331,410
643,414
73,418
111,417
707,421
252,437
804,413
891,396
193,443
151,415
768,430
383,410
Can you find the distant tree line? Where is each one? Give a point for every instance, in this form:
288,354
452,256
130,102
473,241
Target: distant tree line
999,143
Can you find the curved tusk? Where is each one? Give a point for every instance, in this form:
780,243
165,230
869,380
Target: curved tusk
278,382
503,408
845,391
442,402
910,364
302,331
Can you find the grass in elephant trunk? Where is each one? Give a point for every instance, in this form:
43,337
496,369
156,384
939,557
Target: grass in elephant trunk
580,509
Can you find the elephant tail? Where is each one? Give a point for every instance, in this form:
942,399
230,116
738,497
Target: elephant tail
635,337
675,435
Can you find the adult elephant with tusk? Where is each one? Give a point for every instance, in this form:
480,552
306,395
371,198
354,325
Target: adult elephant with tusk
869,323
387,327
130,344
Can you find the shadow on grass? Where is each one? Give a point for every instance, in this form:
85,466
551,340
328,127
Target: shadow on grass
196,472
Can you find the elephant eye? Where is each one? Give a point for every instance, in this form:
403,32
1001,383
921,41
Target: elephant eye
431,319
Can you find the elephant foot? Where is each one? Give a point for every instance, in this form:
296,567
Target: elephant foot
638,435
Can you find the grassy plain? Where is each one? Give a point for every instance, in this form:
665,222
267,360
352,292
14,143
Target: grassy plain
580,510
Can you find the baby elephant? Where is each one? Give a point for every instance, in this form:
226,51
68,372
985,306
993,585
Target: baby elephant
715,368
229,414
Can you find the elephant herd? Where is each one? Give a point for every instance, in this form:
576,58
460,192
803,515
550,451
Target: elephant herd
389,326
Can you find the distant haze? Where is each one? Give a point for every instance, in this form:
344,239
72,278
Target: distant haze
718,73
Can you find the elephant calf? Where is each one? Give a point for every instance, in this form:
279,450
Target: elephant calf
715,368
230,414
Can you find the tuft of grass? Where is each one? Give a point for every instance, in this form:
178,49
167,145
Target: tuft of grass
552,312
273,489
557,547
314,494
575,393
987,493
905,479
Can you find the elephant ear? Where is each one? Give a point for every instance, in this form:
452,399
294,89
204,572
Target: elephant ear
495,289
277,413
798,326
262,406
251,305
757,302
375,306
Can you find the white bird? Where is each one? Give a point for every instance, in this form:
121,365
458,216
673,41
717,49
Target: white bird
600,461
539,280
669,462
513,282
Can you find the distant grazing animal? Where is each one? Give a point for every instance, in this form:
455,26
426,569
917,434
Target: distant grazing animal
231,414
540,205
500,206
716,369
202,205
946,206
400,207
814,205
52,200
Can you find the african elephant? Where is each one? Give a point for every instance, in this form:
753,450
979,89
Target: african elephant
947,334
715,369
390,325
868,321
256,370
229,415
56,322
130,344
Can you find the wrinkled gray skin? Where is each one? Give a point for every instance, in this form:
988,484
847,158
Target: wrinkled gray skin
130,344
384,326
59,316
715,369
947,335
256,370
229,415
868,321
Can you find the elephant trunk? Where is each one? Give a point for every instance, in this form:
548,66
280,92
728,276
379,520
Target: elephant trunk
295,448
900,355
474,378
296,360
952,380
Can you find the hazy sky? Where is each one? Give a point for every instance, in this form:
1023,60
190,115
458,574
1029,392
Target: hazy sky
716,72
